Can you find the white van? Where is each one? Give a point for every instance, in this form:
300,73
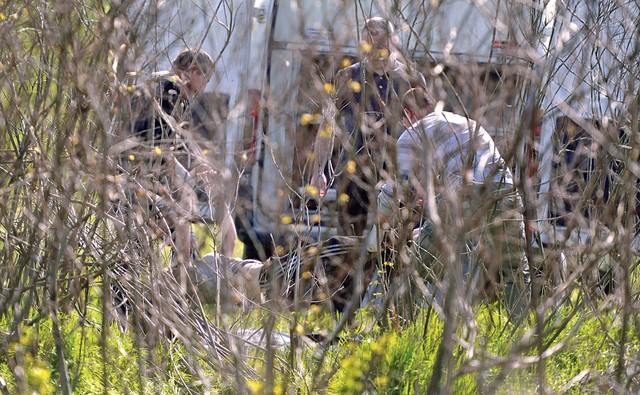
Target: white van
587,197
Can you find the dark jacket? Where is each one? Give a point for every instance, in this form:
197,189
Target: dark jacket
376,106
149,124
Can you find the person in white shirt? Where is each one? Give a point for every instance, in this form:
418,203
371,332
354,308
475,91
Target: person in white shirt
451,165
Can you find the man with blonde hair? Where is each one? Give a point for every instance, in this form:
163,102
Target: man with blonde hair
363,118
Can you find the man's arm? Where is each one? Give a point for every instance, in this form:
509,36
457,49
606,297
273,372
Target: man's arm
323,146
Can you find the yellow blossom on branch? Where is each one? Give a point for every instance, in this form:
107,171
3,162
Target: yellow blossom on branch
329,88
351,166
325,132
311,190
355,86
383,53
306,119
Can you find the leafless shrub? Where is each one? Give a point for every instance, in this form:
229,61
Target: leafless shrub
69,71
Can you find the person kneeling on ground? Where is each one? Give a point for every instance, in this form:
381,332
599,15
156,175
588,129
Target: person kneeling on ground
470,206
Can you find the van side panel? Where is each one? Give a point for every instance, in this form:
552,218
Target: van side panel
587,88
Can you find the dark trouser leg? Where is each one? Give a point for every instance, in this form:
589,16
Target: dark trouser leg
352,219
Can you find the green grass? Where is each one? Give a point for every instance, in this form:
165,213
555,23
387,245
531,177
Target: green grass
376,360
580,349
206,243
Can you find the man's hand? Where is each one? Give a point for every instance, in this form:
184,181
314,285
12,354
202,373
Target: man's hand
319,180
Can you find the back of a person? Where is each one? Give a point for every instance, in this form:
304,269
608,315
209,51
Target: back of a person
457,146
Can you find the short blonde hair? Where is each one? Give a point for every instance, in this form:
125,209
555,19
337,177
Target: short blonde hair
379,23
190,58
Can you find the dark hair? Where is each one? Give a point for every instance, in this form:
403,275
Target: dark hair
417,97
189,58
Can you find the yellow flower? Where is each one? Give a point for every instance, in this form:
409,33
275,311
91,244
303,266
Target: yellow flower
132,157
325,132
315,218
39,377
366,47
306,119
255,386
355,86
383,53
299,329
130,88
343,198
157,151
306,275
329,88
351,166
346,62
286,219
311,190
2,17
381,381
278,389
315,309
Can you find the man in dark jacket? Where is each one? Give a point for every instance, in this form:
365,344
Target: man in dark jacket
166,163
361,123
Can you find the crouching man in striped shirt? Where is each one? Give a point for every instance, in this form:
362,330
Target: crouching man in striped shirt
470,240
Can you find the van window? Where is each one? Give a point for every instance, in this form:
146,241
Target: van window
582,174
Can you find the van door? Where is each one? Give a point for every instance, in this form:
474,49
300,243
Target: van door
584,99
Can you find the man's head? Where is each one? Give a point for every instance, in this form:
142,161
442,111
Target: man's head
377,36
195,66
417,103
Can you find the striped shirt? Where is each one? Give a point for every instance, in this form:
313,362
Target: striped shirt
453,148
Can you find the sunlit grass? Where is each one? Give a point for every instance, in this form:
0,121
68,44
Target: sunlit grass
366,357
